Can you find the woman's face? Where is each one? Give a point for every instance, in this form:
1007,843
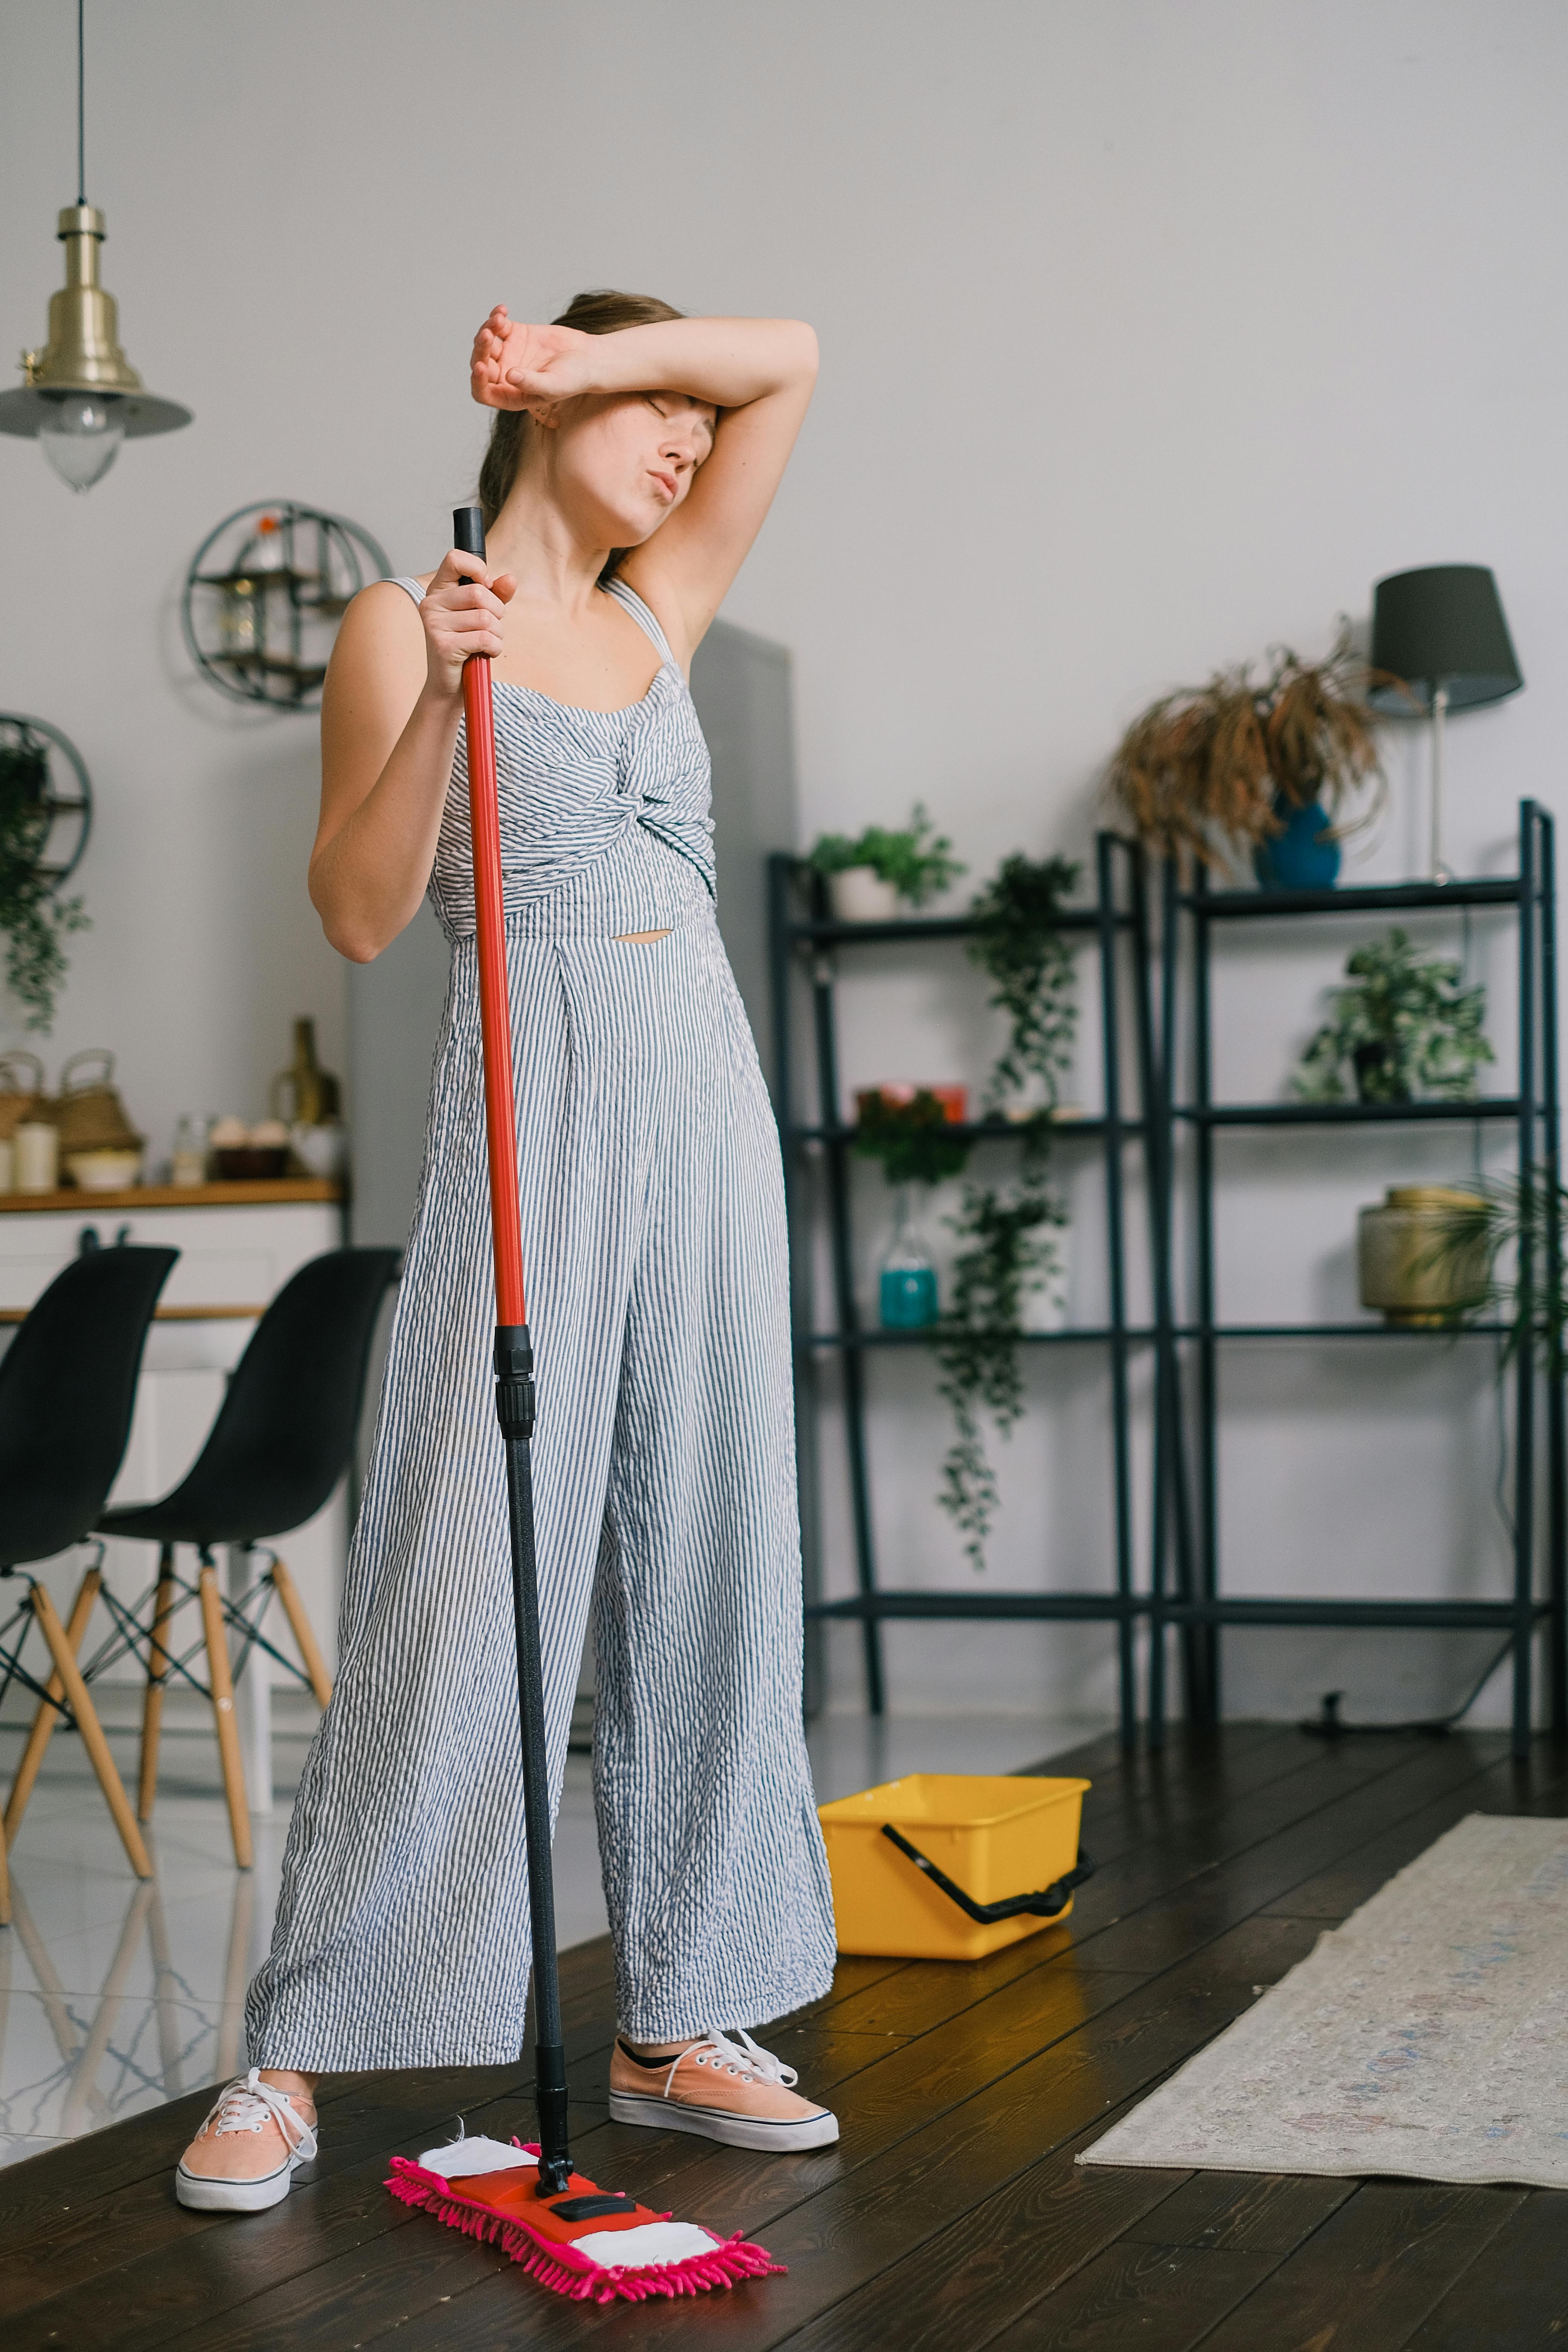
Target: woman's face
620,463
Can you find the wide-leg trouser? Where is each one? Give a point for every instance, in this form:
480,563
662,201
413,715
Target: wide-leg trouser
655,1246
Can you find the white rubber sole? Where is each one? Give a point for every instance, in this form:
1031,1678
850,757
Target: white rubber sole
718,2123
233,2196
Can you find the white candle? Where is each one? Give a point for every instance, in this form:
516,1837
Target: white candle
38,1153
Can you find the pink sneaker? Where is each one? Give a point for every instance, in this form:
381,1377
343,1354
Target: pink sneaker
721,2089
244,2155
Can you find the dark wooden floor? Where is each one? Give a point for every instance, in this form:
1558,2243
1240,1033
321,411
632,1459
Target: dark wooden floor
952,2215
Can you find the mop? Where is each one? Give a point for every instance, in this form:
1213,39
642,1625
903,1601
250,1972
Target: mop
572,2236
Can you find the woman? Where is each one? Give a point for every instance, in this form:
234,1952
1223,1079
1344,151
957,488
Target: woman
633,459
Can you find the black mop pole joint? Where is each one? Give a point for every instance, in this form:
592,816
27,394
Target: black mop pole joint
514,1379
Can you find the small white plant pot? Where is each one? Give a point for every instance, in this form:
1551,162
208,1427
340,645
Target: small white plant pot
859,895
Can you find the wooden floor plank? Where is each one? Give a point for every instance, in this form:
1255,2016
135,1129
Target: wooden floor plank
1540,1787
994,2261
887,2200
1255,1873
952,2213
1515,2296
1161,2298
1258,2211
1376,2268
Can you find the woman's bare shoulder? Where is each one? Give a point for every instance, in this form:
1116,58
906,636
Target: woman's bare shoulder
381,637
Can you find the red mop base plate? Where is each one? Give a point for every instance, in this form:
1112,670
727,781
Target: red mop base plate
575,2258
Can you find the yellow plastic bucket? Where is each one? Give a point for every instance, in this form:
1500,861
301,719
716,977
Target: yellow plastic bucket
994,1838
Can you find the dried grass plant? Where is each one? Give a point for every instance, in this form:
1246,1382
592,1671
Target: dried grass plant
1199,773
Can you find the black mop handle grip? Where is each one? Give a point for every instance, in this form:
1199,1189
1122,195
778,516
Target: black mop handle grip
468,531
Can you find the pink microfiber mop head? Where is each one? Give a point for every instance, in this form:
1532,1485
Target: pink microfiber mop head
596,2248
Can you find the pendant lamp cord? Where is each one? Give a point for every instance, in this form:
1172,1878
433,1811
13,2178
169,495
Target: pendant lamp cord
81,107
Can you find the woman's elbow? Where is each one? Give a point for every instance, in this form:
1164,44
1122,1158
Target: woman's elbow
355,945
345,928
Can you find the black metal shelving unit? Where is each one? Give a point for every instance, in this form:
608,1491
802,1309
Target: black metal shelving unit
1195,1601
810,944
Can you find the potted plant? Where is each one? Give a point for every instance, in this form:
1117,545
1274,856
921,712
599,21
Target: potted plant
1255,767
34,918
1005,1251
1514,1227
1405,1028
872,875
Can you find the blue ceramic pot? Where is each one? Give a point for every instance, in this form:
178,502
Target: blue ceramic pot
1304,856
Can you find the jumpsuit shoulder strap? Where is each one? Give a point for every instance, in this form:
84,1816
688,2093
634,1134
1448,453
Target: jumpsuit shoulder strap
640,613
413,587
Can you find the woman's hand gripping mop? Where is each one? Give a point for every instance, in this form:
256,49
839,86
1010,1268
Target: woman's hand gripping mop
564,2231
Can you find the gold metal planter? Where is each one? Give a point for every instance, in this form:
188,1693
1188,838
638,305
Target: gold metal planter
1422,1255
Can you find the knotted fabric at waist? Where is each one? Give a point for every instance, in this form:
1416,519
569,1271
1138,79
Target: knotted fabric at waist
639,884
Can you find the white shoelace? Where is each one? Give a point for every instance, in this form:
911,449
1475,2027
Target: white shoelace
741,2057
249,2104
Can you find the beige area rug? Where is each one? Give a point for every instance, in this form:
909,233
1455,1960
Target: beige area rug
1428,2036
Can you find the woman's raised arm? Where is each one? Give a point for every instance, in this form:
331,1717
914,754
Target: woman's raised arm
758,372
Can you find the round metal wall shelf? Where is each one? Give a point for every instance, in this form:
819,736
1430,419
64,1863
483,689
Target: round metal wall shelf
65,795
264,596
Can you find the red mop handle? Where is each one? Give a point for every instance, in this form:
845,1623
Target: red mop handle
495,1009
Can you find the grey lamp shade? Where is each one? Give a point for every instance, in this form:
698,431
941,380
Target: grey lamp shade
1442,625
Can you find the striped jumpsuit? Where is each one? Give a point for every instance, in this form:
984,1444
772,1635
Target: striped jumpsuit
654,1241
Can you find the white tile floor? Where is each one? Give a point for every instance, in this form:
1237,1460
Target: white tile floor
115,1996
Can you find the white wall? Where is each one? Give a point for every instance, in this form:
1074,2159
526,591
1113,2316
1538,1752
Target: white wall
1152,333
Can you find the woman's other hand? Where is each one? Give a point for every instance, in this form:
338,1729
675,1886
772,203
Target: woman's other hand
461,614
515,365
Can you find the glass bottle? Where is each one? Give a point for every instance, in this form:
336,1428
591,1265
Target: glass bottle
313,1093
188,1160
907,1296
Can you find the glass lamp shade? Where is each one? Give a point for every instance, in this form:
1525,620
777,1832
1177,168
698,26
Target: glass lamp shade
80,437
1441,626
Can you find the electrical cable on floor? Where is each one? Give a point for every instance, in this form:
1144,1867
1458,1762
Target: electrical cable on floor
1328,1724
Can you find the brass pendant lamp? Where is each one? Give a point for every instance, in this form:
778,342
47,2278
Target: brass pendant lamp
81,396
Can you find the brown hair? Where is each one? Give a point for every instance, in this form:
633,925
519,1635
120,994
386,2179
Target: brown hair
602,312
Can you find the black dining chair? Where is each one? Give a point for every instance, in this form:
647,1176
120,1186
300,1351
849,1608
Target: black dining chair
67,1390
282,1441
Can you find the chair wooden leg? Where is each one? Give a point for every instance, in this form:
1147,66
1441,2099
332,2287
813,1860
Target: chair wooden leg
47,1717
91,1730
222,1683
157,1676
304,1633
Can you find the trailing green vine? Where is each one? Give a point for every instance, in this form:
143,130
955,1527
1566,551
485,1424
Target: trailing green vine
33,916
1006,1253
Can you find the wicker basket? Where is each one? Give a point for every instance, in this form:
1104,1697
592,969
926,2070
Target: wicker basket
22,1095
89,1113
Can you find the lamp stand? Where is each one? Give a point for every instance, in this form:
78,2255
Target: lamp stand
1440,873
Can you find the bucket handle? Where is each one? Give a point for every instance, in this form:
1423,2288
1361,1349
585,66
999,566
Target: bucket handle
1049,1904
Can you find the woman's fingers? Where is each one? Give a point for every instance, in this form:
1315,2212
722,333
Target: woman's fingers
457,566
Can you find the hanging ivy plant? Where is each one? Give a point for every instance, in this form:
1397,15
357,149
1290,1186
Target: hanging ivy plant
34,918
1005,1251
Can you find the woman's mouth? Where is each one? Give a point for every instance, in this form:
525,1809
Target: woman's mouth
666,482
